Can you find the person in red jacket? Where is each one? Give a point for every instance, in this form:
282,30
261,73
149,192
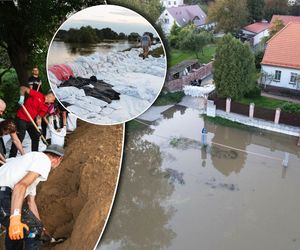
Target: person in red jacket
37,106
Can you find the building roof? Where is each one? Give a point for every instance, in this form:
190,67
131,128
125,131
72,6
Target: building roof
186,13
286,19
283,49
182,66
257,27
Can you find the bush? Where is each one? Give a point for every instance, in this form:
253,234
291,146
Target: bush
254,93
258,58
291,107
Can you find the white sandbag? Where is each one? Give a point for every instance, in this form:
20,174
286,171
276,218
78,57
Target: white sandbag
71,122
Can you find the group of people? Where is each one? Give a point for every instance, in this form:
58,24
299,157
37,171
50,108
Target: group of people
19,176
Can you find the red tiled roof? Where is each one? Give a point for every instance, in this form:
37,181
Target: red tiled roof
283,49
286,19
257,27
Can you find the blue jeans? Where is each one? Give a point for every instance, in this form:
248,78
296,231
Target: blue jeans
5,205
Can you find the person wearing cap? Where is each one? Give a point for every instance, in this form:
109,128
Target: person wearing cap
37,106
19,178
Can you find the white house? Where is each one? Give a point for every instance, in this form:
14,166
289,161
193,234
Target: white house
281,61
171,3
255,32
182,15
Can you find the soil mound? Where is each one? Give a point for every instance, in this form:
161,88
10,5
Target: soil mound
76,199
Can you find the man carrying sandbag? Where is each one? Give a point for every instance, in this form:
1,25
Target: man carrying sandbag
19,178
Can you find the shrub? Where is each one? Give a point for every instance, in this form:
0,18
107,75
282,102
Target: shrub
254,93
291,107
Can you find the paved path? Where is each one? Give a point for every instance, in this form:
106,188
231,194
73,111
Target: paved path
283,98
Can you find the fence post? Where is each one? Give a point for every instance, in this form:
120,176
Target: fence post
251,109
277,115
228,104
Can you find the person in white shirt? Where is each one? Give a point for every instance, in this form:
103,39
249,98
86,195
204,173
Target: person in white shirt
19,178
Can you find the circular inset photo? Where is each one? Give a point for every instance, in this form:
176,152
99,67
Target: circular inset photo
106,64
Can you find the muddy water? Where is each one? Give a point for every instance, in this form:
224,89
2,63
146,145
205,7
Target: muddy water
61,52
174,194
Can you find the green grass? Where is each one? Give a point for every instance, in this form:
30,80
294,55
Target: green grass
134,125
169,98
227,123
177,56
264,102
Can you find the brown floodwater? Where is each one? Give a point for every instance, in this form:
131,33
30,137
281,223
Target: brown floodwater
175,194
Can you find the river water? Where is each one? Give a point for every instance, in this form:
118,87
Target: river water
61,52
175,194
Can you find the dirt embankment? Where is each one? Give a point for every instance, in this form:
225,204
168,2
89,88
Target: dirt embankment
76,199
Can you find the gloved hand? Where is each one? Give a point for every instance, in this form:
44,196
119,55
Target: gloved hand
16,228
21,100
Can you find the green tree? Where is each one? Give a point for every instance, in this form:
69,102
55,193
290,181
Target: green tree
256,10
276,26
230,15
28,28
234,68
173,37
195,42
275,7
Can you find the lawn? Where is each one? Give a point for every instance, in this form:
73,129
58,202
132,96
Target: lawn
264,102
169,98
177,56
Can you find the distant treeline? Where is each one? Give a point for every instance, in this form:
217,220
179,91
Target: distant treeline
88,34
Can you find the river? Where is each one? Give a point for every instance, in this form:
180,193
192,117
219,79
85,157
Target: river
175,194
61,52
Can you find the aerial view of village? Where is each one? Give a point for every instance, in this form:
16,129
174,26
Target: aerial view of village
214,163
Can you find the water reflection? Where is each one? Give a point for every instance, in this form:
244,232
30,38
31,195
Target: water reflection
61,52
140,220
169,113
176,194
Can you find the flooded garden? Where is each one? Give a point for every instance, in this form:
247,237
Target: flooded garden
232,194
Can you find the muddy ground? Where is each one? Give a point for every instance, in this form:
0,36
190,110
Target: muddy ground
76,199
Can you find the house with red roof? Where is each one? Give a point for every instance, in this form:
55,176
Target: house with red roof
182,15
255,32
281,60
285,19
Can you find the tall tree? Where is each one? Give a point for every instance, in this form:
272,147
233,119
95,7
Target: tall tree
230,15
256,10
276,26
275,7
27,28
234,68
195,42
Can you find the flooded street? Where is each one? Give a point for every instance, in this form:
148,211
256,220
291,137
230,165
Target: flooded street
232,195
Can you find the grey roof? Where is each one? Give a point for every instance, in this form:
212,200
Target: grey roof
181,66
186,13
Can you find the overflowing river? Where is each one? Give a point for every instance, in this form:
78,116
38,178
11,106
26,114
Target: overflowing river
174,194
61,52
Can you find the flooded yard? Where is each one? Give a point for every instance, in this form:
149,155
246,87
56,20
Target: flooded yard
234,194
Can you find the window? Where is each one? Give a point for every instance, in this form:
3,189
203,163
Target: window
174,2
293,78
277,75
169,3
167,21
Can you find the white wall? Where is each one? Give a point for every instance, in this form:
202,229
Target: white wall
259,36
285,76
171,3
166,26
